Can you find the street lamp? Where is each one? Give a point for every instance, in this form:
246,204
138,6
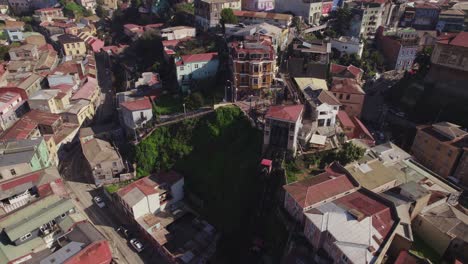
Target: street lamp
185,113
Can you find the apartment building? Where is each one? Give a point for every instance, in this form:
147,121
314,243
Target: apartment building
322,106
24,52
104,161
52,101
135,113
151,194
14,30
47,14
208,12
451,20
359,228
80,112
12,107
350,94
451,52
196,67
251,17
310,193
368,15
420,15
179,32
309,10
348,45
23,156
72,45
439,147
282,124
253,64
399,46
258,5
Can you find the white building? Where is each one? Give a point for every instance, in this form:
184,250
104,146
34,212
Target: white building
348,45
310,10
135,113
179,32
88,4
368,16
282,124
196,67
324,106
14,30
151,194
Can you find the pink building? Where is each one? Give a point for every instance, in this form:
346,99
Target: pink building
350,94
10,103
330,185
355,228
258,5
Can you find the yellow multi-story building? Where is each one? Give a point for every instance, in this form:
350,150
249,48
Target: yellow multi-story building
72,45
253,64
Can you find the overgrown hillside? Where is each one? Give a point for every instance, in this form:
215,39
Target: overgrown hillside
219,155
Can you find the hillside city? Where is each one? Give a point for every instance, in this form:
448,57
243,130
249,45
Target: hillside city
233,131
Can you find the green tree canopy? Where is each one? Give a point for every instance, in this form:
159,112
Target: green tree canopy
228,17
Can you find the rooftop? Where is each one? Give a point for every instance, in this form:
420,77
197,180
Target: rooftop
264,15
27,219
460,40
203,57
332,182
10,24
359,224
319,97
138,190
19,151
346,85
86,91
448,220
289,113
336,69
68,38
97,151
44,95
42,118
373,174
137,105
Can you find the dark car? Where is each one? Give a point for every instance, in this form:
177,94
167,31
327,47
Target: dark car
123,230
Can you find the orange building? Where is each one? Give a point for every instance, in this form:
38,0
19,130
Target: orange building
253,64
440,147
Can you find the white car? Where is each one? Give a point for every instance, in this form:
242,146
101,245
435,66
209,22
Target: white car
136,244
99,202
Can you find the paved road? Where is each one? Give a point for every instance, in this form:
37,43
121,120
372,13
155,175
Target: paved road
105,219
105,112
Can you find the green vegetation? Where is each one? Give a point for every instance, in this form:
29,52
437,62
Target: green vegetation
312,164
168,104
196,46
112,188
164,147
371,61
185,7
423,250
73,9
222,172
228,17
4,52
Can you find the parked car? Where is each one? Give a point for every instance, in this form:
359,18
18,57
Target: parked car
124,231
137,245
99,202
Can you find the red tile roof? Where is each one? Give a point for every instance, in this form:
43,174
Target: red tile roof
87,91
137,105
345,120
460,40
382,219
97,252
197,58
146,185
20,130
42,118
346,85
340,69
319,188
406,258
361,131
17,181
289,113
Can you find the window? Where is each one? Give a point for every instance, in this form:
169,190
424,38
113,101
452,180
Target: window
25,237
344,258
63,215
322,113
13,172
348,96
181,68
341,96
196,66
291,137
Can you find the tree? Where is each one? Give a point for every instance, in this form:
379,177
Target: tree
349,153
194,101
4,53
228,17
101,11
